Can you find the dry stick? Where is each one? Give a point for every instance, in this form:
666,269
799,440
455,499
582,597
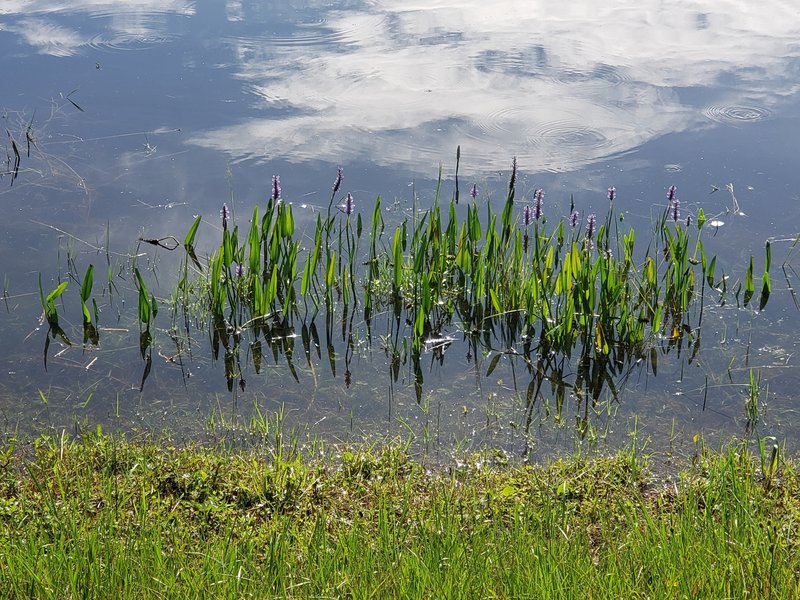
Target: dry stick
736,210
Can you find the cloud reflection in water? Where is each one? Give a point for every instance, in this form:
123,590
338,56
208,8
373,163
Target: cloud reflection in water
559,84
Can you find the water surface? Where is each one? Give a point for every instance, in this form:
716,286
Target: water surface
142,115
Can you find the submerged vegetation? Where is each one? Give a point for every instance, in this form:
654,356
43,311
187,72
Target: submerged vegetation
105,514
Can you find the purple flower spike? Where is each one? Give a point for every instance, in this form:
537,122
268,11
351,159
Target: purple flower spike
526,216
671,193
276,187
574,219
348,205
474,191
538,195
676,209
239,271
336,184
225,215
612,193
591,225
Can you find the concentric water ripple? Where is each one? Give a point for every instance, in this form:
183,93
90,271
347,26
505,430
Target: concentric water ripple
129,41
518,64
322,33
535,64
568,134
736,114
605,74
132,29
502,121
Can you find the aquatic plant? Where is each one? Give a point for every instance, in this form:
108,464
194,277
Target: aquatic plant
89,329
578,301
553,291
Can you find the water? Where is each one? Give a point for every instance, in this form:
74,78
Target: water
141,115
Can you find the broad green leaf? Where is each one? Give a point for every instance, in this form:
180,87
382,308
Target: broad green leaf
86,286
54,295
188,241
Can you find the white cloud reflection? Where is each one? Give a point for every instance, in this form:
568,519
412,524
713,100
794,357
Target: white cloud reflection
560,84
96,7
48,37
120,23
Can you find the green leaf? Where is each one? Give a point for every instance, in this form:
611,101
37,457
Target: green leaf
331,272
495,301
54,295
305,282
398,258
749,285
272,288
493,363
88,280
188,241
144,299
710,273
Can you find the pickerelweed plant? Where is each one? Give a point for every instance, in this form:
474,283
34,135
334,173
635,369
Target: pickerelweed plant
543,289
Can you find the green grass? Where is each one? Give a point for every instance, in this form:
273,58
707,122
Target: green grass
107,516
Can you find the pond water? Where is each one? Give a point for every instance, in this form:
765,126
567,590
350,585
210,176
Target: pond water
126,120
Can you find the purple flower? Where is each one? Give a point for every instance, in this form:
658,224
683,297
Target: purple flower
526,216
538,195
348,205
676,206
574,218
591,224
612,193
239,271
225,215
671,193
474,191
276,187
337,183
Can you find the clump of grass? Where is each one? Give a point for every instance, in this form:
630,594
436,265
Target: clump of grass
148,519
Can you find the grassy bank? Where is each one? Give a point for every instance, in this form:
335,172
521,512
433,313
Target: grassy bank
107,516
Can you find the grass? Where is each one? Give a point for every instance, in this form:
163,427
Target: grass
107,515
